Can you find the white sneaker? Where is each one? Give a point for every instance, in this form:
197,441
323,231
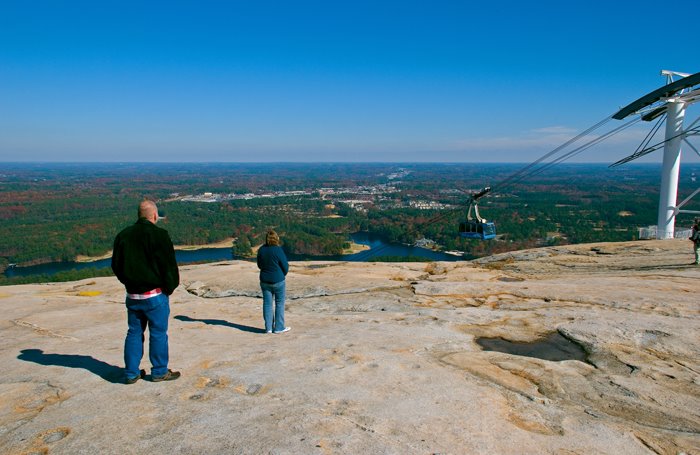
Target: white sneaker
286,329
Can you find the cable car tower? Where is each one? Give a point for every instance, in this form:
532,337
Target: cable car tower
669,101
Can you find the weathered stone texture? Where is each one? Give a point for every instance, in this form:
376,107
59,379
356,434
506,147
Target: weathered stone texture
382,358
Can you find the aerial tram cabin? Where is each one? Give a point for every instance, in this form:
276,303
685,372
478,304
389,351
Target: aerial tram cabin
477,228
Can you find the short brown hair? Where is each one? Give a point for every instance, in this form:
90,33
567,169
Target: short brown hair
272,239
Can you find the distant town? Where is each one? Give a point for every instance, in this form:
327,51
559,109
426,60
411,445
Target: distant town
382,195
358,197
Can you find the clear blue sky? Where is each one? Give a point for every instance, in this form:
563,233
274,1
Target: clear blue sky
455,81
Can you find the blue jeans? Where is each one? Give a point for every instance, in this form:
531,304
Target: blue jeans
152,313
269,291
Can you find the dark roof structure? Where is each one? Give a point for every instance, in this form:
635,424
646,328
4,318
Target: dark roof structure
656,95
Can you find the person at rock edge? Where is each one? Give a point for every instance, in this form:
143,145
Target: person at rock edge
273,266
144,262
695,238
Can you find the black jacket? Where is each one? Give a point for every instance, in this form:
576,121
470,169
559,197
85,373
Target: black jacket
144,259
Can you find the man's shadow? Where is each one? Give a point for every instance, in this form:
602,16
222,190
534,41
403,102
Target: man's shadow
244,328
109,373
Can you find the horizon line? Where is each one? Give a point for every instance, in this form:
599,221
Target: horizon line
316,162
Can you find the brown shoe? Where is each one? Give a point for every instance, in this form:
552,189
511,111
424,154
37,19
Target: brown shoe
169,376
142,374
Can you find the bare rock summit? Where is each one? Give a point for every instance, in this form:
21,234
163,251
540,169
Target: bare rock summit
577,349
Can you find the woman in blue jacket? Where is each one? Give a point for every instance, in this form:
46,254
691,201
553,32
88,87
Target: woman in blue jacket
273,266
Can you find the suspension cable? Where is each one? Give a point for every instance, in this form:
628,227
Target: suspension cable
524,170
655,147
579,149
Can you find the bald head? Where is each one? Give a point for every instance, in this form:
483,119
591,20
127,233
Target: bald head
148,210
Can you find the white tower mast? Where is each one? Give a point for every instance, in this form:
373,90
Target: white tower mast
674,99
675,114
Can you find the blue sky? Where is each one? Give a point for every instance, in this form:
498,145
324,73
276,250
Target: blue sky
454,81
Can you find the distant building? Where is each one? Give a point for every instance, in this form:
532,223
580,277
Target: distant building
649,233
426,205
425,243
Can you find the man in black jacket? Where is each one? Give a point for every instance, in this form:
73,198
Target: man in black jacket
695,238
144,261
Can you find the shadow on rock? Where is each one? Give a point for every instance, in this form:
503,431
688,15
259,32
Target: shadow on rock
109,373
244,328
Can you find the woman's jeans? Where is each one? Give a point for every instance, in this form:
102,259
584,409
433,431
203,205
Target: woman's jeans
269,291
154,313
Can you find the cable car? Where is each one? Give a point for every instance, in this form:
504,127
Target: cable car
477,228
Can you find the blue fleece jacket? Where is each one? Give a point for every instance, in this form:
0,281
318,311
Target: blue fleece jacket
272,263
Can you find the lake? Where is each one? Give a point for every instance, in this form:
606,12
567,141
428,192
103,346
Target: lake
378,248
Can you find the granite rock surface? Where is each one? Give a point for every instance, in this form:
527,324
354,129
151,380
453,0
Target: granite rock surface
381,358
